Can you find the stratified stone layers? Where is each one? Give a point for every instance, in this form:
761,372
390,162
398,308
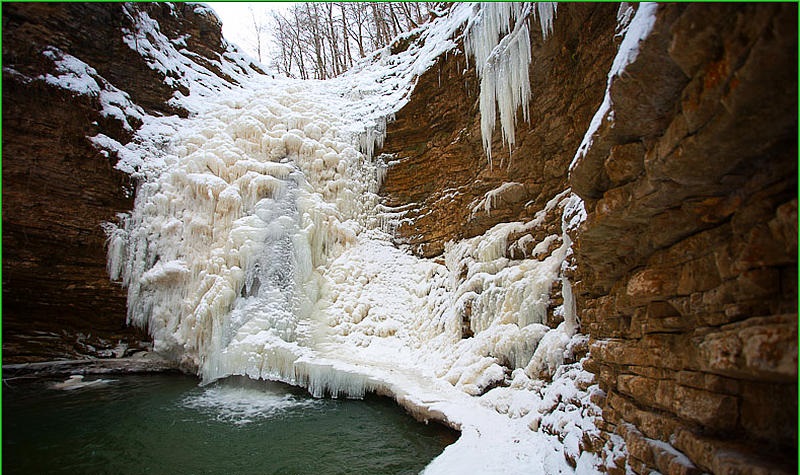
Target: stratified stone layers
686,267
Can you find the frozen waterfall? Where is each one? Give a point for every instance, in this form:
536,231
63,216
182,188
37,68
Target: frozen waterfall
223,250
255,248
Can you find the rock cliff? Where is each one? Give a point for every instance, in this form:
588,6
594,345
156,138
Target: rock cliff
688,258
685,268
58,188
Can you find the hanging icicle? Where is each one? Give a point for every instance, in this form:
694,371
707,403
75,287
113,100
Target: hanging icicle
498,39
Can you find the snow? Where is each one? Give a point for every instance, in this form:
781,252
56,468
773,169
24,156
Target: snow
637,31
257,247
78,77
625,14
176,64
678,457
491,199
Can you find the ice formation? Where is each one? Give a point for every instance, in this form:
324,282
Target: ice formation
227,239
498,39
257,246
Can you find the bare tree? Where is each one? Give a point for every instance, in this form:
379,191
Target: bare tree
259,28
348,55
319,39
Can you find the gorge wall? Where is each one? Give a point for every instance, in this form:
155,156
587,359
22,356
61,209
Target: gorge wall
688,257
685,269
440,177
58,188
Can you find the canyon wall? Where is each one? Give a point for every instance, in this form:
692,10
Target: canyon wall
58,188
688,257
685,269
439,175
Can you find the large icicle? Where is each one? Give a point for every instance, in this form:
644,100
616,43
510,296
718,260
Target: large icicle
499,40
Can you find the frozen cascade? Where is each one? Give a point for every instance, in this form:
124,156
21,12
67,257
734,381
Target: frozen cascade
221,252
257,247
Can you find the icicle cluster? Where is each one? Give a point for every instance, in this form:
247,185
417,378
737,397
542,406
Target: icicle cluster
498,39
225,241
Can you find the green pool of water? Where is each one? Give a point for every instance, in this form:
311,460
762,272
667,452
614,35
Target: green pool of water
166,424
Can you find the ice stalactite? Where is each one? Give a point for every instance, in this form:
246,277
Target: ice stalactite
498,39
491,199
505,302
372,138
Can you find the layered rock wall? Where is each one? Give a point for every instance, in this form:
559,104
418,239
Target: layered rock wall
688,258
58,188
686,269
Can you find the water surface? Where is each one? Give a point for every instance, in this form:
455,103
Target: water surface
166,424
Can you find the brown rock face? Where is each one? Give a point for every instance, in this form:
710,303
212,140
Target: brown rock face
57,188
686,267
441,174
687,260
56,193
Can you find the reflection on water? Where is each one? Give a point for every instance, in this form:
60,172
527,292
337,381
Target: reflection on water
166,424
